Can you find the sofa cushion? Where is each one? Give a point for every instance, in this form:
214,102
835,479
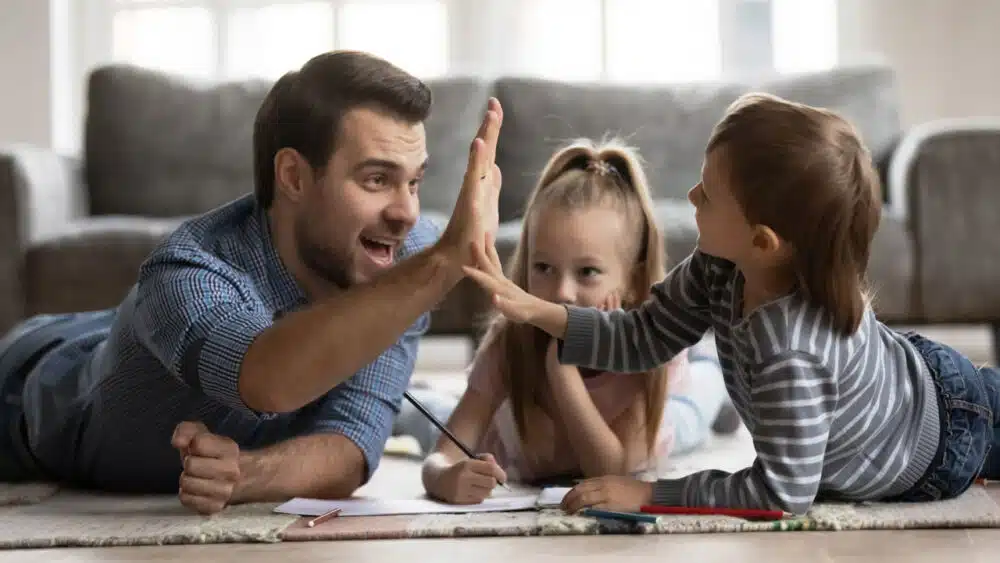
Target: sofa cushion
91,264
159,145
456,112
162,146
669,125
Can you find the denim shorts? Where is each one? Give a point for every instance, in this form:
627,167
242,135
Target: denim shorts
968,399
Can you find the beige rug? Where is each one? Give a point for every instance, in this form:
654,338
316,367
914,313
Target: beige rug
975,509
39,515
74,519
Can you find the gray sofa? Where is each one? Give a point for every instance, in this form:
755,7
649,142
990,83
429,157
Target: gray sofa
159,149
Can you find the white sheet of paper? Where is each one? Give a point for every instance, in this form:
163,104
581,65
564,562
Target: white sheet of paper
551,497
384,507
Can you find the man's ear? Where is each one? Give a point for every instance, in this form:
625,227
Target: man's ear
292,174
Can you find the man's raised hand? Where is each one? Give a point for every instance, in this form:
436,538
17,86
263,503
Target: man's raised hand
476,212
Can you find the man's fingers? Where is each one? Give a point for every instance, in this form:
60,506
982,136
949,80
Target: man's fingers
488,282
211,468
184,432
196,486
213,445
202,505
492,257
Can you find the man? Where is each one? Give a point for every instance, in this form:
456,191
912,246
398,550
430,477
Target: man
264,350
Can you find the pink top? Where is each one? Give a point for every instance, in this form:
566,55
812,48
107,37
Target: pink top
612,393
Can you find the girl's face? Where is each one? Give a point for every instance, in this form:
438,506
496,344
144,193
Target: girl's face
578,257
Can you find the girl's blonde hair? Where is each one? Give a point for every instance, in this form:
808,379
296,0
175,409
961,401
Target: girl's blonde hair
805,173
579,176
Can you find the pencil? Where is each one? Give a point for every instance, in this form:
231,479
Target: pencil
323,517
444,430
737,512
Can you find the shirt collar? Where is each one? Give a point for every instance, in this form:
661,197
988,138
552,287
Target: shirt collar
286,293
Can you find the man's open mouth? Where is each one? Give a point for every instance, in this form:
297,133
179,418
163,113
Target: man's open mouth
381,251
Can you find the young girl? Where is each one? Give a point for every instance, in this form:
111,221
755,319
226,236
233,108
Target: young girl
589,239
838,404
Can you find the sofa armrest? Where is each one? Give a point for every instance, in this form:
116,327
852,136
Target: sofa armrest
40,191
944,180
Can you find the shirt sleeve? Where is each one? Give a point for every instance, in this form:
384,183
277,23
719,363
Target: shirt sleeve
363,408
676,315
199,321
792,401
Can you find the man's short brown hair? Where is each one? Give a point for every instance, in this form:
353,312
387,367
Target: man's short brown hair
304,108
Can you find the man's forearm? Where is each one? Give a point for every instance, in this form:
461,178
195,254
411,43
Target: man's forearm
308,352
316,466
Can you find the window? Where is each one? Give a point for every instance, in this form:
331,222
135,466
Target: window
235,39
662,40
670,40
804,34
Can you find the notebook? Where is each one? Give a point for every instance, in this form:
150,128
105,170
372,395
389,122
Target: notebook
385,507
550,497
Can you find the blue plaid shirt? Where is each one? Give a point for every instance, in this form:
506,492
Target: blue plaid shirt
101,408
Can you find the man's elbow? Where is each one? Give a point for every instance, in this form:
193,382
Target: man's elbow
258,398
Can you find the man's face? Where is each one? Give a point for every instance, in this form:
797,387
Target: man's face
352,222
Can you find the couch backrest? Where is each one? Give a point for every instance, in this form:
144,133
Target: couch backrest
668,124
162,146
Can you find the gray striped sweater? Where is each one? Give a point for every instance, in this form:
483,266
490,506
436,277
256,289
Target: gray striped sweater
848,417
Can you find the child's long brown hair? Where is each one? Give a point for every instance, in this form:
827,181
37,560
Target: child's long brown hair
579,176
805,173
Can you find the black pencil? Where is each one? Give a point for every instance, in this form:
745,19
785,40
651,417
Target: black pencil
440,426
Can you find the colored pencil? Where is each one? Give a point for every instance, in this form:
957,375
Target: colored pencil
615,515
986,482
737,512
324,517
444,429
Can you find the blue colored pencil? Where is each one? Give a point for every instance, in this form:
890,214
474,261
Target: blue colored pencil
614,515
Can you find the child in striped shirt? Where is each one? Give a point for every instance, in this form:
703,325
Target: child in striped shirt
839,405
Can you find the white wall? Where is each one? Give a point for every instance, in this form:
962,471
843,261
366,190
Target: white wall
942,49
25,53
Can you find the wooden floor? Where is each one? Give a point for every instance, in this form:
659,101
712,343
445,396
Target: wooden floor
932,546
967,546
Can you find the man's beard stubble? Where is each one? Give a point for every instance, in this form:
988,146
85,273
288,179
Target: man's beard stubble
323,261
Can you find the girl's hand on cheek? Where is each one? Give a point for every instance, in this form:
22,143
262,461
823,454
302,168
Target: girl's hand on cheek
611,303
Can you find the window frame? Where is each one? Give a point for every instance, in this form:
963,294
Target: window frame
475,34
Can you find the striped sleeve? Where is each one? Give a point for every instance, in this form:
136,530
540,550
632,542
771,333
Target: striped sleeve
793,398
675,316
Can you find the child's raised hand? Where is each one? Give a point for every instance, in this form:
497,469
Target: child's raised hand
470,481
512,301
611,492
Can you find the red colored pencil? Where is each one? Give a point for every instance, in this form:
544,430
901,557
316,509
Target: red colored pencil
737,512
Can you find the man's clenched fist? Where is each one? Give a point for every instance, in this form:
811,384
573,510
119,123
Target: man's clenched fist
211,467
